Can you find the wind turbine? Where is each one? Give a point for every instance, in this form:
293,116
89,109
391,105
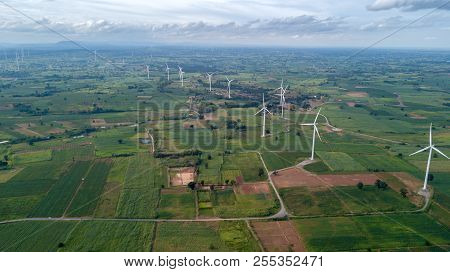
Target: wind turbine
229,87
209,78
264,110
168,72
181,73
148,71
17,61
282,99
431,148
315,130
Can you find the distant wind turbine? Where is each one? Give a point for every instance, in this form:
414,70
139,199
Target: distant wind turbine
148,71
431,148
168,72
209,78
282,97
264,110
229,87
181,74
315,130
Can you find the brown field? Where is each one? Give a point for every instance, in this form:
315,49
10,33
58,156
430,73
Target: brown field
357,94
294,177
210,116
278,236
254,188
182,176
98,123
416,116
412,183
351,104
349,179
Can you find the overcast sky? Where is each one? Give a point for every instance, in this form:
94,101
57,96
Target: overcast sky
302,23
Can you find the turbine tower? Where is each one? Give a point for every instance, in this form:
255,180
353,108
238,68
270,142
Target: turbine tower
229,87
148,71
181,74
282,98
315,130
209,78
168,72
431,148
264,110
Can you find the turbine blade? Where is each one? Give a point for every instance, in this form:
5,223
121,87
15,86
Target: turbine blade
307,124
440,152
317,131
259,111
422,150
317,116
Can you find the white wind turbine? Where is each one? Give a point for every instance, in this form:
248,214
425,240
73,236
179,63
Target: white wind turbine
148,71
168,72
264,110
315,130
282,98
229,87
209,78
181,74
431,148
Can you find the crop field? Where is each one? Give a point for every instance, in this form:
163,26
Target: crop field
76,140
109,236
196,236
60,195
34,236
35,156
249,164
343,200
340,162
176,204
280,160
88,194
409,232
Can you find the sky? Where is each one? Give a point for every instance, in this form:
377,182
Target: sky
290,23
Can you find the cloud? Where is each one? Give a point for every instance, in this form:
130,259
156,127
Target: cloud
408,5
289,26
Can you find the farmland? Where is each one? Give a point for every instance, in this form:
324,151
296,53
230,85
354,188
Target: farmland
96,156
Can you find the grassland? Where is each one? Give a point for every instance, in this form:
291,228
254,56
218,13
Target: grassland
249,164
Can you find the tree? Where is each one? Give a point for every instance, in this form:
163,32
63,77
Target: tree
227,181
360,185
192,185
404,192
209,157
381,184
261,172
120,141
430,177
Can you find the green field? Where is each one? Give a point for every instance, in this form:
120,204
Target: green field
249,164
340,162
196,236
88,194
343,200
409,232
57,200
110,236
177,204
280,160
